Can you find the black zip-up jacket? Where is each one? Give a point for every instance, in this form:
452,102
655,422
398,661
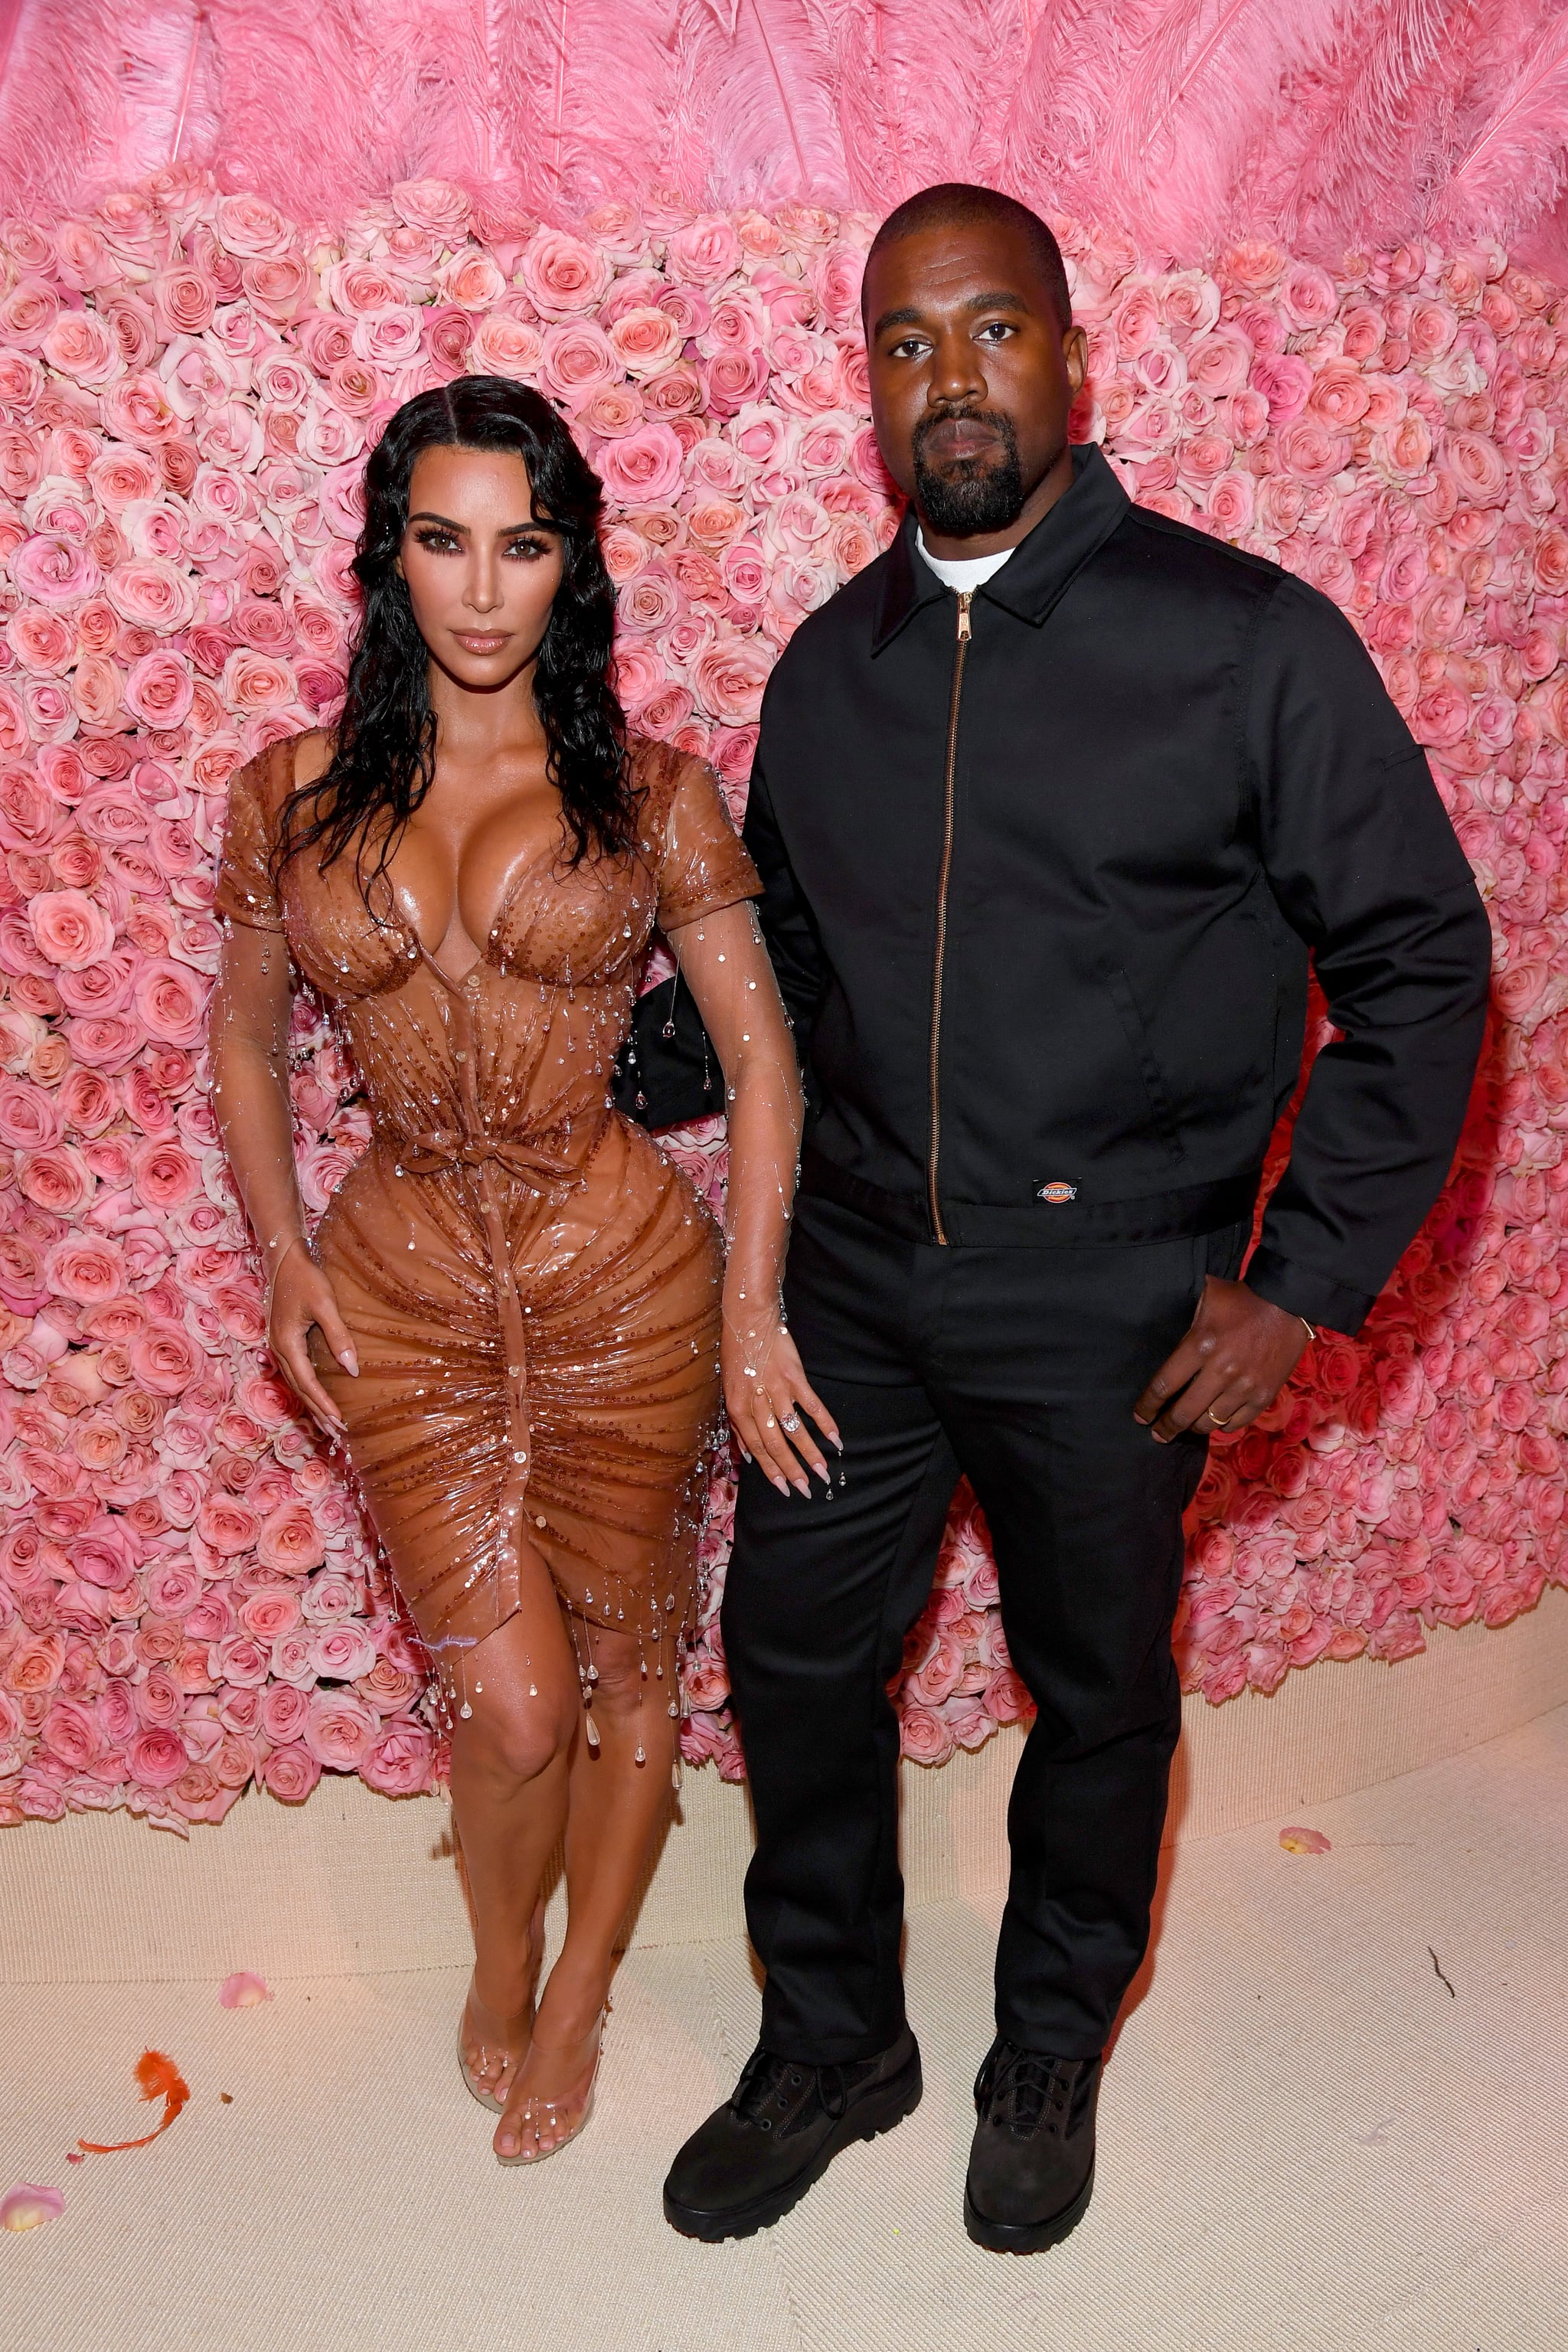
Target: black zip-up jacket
1043,870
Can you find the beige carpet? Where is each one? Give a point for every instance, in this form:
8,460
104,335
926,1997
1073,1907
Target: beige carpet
1310,2145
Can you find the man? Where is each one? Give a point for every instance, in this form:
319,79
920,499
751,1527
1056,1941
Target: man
1052,803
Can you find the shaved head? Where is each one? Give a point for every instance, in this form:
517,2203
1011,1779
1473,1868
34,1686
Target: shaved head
954,204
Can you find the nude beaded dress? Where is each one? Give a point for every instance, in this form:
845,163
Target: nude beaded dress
533,1289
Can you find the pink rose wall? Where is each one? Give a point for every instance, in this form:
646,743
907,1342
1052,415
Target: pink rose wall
188,386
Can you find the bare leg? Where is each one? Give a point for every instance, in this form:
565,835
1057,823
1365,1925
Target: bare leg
510,1781
616,1806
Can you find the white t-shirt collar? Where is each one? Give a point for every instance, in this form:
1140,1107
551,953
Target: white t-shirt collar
966,574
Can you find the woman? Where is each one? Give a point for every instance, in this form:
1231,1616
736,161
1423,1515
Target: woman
515,1312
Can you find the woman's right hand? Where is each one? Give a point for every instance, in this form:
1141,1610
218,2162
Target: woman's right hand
302,1295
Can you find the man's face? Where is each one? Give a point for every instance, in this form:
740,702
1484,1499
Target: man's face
973,378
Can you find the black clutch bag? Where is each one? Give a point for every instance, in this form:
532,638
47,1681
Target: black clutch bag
666,1072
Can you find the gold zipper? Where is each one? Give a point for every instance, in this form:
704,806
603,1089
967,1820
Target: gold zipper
941,923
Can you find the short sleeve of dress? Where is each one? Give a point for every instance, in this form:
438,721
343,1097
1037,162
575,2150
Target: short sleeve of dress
244,892
703,865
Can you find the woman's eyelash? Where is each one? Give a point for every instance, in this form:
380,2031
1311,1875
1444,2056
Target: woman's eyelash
444,539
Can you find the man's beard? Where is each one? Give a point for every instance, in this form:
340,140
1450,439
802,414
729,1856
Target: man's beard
970,498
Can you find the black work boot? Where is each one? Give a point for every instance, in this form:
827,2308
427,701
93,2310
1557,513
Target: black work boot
757,2156
1031,2168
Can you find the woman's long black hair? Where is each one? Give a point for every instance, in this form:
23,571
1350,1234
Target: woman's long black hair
385,760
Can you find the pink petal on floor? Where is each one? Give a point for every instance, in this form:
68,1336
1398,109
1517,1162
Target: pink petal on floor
1298,1841
243,1990
28,2207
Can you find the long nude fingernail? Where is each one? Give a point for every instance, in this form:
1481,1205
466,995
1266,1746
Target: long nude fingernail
349,1363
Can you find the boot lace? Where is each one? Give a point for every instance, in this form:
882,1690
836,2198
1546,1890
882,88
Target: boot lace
776,2095
1026,2092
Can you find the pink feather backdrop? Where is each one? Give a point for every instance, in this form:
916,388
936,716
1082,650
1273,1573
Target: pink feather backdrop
1186,123
1306,334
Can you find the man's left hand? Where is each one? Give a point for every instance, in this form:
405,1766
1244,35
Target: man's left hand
1233,1362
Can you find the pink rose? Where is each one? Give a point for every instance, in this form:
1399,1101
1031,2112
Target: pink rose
649,599
638,674
562,275
330,438
270,1612
577,360
706,251
645,340
343,1652
744,568
55,570
339,1729
733,380
1441,716
1405,447
80,345
85,1268
151,593
183,300
292,1656
644,468
157,689
71,1732
171,1002
399,1763
172,1587
1230,503
164,1175
163,1358
43,642
1312,452
290,1773
473,282
257,682
923,1736
506,346
730,677
156,1759
136,408
436,206
248,225
1478,467
241,1661
71,929
291,1541
283,1711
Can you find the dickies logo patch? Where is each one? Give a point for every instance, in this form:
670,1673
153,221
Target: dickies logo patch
1055,1193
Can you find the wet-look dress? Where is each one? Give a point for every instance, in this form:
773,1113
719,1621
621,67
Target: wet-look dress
533,1289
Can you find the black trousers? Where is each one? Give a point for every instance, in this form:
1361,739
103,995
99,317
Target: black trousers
1020,1368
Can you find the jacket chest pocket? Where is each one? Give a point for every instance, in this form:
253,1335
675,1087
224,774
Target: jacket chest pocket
1161,1110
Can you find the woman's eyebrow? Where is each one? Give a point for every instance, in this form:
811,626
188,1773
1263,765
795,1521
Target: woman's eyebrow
428,514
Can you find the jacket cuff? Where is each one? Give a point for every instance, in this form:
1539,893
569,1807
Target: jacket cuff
1300,1291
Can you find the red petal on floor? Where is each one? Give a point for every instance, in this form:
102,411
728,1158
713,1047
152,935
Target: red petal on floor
158,2078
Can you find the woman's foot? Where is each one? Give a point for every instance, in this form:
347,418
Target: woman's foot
492,2044
552,2094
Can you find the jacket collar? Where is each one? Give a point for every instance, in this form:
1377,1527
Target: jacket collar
1040,568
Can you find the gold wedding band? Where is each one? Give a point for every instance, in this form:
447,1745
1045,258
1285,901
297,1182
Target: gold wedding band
1210,1415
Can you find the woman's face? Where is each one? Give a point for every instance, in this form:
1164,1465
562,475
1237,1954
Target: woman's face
481,574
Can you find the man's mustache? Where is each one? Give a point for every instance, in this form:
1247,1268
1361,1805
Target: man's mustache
992,419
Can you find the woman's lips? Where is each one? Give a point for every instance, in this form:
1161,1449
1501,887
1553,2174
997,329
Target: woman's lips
491,642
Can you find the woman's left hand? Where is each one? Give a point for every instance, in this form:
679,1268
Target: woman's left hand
765,1394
